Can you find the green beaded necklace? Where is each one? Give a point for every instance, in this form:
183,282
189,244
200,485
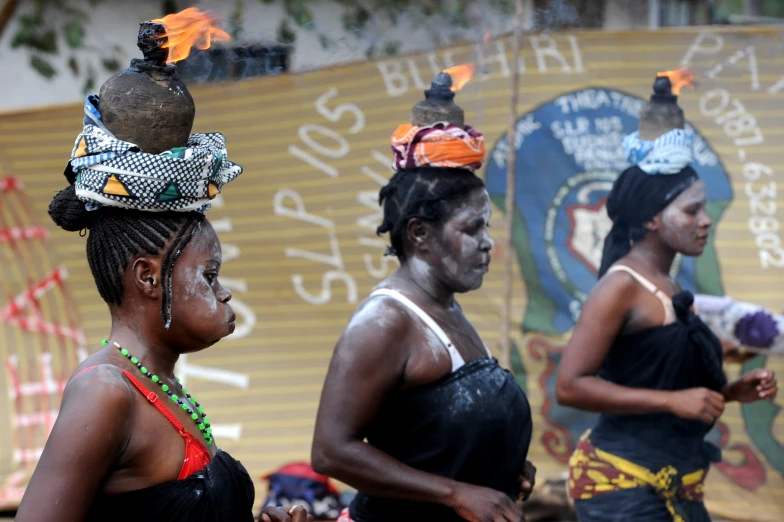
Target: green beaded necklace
198,416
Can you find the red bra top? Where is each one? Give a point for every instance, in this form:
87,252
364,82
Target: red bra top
196,454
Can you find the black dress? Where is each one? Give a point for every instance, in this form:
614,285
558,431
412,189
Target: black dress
472,426
681,355
221,492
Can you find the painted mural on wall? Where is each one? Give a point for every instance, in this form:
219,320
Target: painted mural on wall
568,153
300,249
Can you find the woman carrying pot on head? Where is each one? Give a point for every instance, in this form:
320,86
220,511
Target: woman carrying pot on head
130,442
447,428
641,357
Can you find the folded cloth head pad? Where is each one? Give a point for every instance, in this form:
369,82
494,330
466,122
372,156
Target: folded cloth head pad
439,145
111,172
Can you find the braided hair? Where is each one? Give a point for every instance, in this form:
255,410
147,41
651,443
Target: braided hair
427,193
118,235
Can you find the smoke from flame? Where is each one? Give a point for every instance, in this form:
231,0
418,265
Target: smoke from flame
460,74
679,78
190,28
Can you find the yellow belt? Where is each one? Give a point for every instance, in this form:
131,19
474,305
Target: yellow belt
593,471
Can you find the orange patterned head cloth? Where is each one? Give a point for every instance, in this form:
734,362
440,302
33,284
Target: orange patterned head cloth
438,145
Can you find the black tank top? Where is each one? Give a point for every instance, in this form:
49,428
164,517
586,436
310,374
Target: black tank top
677,356
473,426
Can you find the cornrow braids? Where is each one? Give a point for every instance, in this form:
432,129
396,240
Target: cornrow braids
167,266
427,193
118,235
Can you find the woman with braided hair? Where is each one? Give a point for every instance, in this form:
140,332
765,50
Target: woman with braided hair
130,442
447,428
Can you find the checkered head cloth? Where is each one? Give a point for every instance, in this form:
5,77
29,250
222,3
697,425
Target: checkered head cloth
110,172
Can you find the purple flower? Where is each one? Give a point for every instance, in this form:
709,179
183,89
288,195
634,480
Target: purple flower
758,329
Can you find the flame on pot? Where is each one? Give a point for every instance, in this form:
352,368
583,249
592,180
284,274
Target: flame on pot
460,74
679,78
190,28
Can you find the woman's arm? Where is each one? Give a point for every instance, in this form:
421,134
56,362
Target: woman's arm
89,436
369,362
601,321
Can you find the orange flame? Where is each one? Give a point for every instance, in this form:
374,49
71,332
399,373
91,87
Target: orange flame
190,28
460,74
679,78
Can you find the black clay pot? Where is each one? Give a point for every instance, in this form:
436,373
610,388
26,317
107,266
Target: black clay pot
438,105
147,104
662,113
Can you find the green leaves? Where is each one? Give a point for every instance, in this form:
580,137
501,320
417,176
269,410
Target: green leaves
236,20
111,64
27,28
47,22
504,6
391,48
34,34
285,35
89,82
43,67
44,23
355,18
325,41
298,11
73,65
74,34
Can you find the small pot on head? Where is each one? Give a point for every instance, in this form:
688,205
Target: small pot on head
661,114
147,104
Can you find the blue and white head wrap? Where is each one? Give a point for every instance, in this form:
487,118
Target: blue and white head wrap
668,154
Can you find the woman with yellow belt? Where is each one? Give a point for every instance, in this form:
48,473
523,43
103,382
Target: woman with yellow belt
642,358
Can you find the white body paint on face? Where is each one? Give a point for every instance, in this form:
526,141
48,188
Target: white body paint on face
420,268
472,245
452,268
684,221
191,283
197,288
466,243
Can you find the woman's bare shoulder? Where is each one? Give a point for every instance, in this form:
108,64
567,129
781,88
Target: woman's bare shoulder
380,313
99,384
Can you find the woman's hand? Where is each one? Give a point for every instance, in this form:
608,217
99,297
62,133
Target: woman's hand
756,385
295,514
696,404
479,504
527,481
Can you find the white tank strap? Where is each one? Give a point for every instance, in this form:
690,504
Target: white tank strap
640,279
454,355
669,310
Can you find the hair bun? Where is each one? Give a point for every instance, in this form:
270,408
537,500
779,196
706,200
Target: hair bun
68,211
